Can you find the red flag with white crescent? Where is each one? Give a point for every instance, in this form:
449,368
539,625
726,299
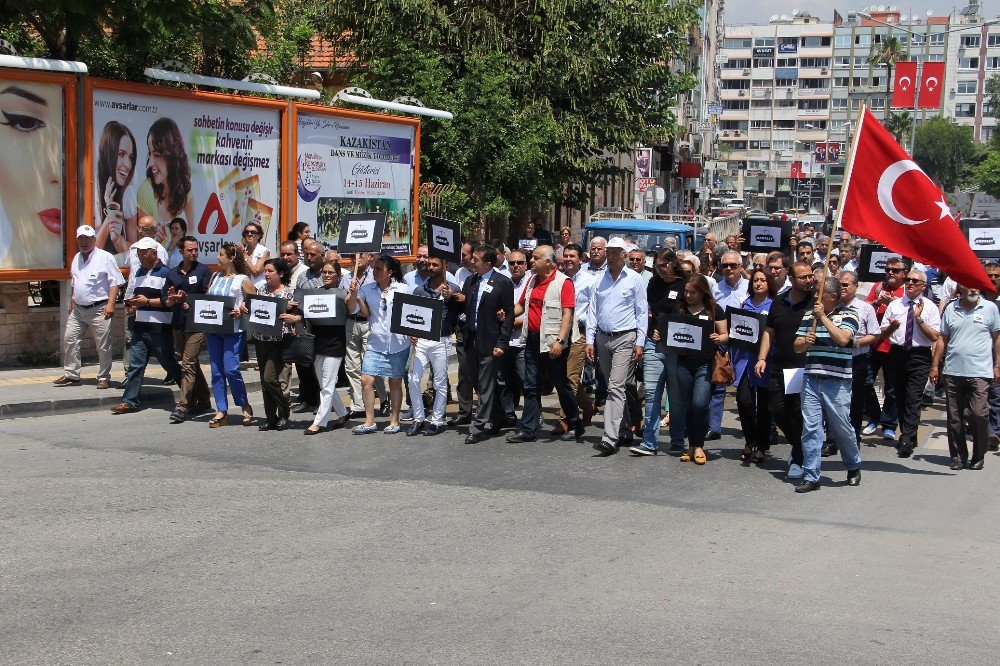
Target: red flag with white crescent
931,84
904,83
889,199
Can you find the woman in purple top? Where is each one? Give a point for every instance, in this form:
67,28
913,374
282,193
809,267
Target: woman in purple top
752,392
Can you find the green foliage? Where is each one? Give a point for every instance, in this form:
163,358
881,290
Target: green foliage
899,125
944,150
543,91
888,53
987,174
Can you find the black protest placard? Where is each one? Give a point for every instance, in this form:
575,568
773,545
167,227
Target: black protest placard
444,239
745,328
416,316
210,314
361,232
323,307
763,234
263,312
684,335
872,261
984,236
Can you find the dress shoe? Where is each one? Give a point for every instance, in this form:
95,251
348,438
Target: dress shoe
430,430
605,449
807,487
994,442
828,450
904,450
561,428
415,429
574,435
123,408
303,408
281,424
383,409
473,438
854,477
199,409
65,381
977,465
461,419
519,438
957,463
168,381
711,436
103,384
265,426
406,415
178,416
310,431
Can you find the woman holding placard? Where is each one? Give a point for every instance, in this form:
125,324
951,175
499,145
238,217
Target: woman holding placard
689,379
257,254
387,354
331,345
224,349
752,394
269,347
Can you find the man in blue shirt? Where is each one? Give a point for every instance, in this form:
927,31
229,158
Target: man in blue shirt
152,333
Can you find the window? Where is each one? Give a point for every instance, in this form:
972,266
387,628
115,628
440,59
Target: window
815,42
837,125
784,124
843,40
970,41
760,124
735,104
738,125
993,63
917,40
861,61
993,39
968,87
863,40
935,57
842,61
787,62
763,62
739,145
965,110
785,83
814,62
968,63
753,145
789,43
783,145
859,81
784,103
762,103
840,81
737,63
855,103
810,125
737,43
764,41
878,38
839,104
813,104
937,38
735,84
814,84
878,81
878,102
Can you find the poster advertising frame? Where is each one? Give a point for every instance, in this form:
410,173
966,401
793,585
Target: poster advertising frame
283,107
348,114
983,235
70,173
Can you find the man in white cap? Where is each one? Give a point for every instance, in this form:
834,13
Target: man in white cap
94,282
616,326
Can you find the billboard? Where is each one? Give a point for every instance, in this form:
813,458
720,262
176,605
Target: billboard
349,162
36,163
210,160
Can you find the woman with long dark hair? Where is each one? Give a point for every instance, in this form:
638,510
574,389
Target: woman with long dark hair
752,394
257,254
116,205
689,380
166,192
299,232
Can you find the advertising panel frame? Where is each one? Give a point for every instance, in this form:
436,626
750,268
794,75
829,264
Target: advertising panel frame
335,112
71,211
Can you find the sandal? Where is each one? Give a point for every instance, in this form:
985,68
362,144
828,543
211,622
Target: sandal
747,452
686,456
700,458
759,457
219,421
248,418
665,423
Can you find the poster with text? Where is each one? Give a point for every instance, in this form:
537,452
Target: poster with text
32,174
348,165
211,164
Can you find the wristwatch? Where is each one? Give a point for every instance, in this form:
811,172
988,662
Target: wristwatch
562,341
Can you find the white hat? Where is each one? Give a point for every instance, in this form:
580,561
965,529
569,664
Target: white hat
617,243
85,230
146,243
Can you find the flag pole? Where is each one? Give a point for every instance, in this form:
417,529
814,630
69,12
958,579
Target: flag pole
840,206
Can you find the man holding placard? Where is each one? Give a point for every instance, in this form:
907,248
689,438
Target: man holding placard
151,334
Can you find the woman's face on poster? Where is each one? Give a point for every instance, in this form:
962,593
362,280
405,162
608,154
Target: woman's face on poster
157,164
124,160
31,156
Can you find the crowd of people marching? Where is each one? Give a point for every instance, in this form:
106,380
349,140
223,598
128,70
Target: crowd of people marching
582,322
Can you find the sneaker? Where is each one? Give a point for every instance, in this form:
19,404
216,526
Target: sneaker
406,415
391,429
795,472
364,430
178,416
711,436
642,451
870,429
889,434
807,487
854,477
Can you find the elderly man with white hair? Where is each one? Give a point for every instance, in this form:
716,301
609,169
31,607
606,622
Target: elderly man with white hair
598,255
912,324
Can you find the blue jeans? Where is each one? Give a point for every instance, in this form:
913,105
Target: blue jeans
224,357
829,397
689,387
144,345
716,406
654,381
537,365
993,398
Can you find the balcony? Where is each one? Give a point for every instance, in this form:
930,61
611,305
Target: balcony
814,72
761,93
814,92
730,74
734,94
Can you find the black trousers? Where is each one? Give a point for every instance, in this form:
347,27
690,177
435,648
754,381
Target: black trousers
467,372
786,410
910,368
512,384
308,385
487,367
859,380
886,414
270,363
754,406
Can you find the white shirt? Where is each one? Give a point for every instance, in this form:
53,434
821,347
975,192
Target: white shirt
867,321
301,268
91,280
504,269
583,283
461,275
898,310
258,252
132,260
731,298
479,294
413,279
515,335
618,305
380,317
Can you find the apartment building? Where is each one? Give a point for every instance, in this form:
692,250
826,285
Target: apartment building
973,56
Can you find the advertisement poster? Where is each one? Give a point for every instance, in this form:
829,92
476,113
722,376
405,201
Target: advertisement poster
211,164
32,174
348,165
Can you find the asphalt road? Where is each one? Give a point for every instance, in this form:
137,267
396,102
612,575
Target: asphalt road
130,540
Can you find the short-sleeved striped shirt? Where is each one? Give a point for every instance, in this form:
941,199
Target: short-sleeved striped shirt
825,357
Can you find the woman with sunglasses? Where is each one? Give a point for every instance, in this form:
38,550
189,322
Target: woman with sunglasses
664,290
752,394
257,254
387,355
331,345
224,348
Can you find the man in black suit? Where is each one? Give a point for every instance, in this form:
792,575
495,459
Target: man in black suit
486,294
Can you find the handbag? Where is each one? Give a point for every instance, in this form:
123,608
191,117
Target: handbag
722,372
298,348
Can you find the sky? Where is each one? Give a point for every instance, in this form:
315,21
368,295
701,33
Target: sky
759,11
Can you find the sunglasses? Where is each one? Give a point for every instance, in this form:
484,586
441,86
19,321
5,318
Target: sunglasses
895,270
249,232
516,263
730,265
913,281
845,285
328,273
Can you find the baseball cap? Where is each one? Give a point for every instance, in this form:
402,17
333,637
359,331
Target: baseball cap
85,230
145,244
617,243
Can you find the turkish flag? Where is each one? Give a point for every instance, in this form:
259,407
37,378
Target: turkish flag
796,170
904,83
889,199
931,84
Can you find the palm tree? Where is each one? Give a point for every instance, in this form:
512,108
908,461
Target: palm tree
898,125
888,53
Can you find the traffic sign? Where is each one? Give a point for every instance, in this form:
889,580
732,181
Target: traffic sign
643,184
704,125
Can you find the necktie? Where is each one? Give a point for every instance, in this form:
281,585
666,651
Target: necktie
908,336
475,303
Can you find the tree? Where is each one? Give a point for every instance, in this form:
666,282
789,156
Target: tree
993,104
899,125
888,53
543,91
987,174
944,150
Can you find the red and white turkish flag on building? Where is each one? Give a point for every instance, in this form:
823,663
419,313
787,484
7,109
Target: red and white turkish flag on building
904,84
931,85
889,199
